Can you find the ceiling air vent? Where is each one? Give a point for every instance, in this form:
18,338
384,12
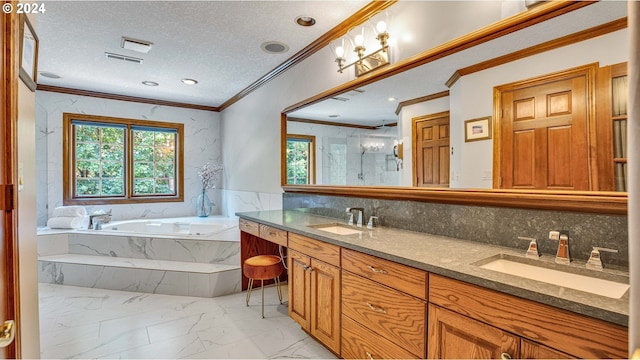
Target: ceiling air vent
124,58
140,46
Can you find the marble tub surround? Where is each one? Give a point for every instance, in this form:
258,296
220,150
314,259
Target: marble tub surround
191,266
490,225
455,258
94,323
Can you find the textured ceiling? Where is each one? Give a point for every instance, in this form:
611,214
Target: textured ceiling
217,43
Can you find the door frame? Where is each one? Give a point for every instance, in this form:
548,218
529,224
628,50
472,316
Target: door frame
589,72
10,295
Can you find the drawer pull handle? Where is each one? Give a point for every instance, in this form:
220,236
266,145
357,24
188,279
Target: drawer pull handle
379,271
505,356
272,233
376,309
369,355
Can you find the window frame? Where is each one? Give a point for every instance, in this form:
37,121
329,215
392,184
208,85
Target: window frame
68,161
311,140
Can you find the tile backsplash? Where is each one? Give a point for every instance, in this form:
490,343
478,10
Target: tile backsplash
492,225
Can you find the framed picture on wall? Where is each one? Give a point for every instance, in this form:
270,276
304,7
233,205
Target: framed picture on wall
28,53
477,129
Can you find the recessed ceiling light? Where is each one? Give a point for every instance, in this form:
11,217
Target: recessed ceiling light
189,81
304,20
49,75
150,83
274,47
392,99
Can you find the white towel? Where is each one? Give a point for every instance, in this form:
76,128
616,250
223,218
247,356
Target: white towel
65,222
69,211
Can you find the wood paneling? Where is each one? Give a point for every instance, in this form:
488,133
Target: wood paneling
328,253
404,278
455,336
325,304
250,227
575,201
359,342
559,329
543,141
390,313
431,149
532,350
274,235
299,289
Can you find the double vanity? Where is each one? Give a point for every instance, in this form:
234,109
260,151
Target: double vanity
382,292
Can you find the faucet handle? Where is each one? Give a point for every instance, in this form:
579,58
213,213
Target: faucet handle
372,222
532,251
595,262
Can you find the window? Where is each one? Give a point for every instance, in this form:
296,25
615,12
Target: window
109,160
301,159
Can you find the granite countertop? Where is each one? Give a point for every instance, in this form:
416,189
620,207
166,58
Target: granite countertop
459,259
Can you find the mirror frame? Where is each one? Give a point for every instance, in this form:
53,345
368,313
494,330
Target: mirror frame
614,203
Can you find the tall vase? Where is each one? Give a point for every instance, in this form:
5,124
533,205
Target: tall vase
203,205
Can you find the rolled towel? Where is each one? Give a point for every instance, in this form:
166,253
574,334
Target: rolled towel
69,211
65,222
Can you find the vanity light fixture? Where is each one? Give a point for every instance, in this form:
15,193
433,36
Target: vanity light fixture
189,81
364,63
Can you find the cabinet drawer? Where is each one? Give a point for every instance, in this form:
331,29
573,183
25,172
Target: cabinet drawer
249,227
559,329
394,315
320,250
274,235
360,343
397,276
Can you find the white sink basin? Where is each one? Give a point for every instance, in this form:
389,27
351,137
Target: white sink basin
593,285
337,229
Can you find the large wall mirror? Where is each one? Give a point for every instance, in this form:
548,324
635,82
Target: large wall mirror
431,125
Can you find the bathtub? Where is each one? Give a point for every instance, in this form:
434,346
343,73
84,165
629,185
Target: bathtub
213,227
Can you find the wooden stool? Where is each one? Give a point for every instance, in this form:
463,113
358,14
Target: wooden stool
263,267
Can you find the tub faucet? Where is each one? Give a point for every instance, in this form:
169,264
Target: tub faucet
102,218
360,215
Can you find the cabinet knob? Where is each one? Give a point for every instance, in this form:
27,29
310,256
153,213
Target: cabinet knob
378,271
376,309
505,356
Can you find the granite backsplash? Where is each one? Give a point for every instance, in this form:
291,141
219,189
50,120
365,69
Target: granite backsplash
491,225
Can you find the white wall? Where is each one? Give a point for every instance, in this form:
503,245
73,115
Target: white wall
202,144
472,97
27,245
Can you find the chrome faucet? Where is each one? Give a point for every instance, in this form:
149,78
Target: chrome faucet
532,251
595,262
562,255
373,222
99,218
360,215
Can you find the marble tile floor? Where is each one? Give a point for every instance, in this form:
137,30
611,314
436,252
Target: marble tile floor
78,322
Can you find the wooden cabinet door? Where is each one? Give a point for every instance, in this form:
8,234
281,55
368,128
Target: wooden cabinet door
299,288
532,350
455,336
325,304
431,149
544,140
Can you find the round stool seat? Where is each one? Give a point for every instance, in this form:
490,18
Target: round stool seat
262,267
